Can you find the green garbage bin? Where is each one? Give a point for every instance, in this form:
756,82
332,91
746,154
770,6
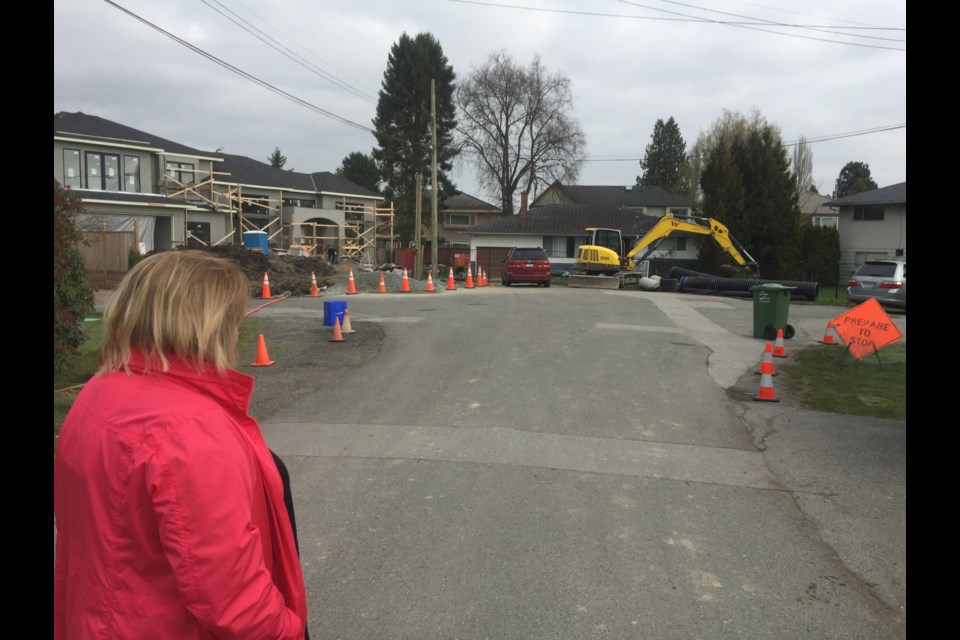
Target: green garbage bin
771,307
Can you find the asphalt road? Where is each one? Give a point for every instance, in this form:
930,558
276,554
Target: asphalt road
568,463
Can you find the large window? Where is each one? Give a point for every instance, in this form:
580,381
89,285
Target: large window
103,171
459,219
131,174
255,205
868,212
182,172
71,169
300,202
561,246
829,222
356,207
199,233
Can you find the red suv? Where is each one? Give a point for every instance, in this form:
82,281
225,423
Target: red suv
526,264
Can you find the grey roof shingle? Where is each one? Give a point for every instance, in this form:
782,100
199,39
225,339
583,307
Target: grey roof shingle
463,201
567,220
618,195
80,125
894,194
241,169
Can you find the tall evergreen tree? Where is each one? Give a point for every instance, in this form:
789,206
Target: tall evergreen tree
360,169
403,128
854,178
748,186
277,159
665,162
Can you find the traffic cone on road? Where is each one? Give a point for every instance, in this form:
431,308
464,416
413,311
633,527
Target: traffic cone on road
828,335
351,284
263,360
469,284
382,287
430,287
451,285
480,277
765,392
314,292
405,287
778,349
347,327
266,286
767,358
486,280
337,331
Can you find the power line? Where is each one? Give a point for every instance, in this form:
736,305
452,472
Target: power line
242,73
824,138
676,19
775,23
289,53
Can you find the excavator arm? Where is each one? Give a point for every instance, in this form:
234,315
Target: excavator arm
689,224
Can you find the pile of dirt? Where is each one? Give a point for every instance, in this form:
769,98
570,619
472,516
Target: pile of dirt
284,272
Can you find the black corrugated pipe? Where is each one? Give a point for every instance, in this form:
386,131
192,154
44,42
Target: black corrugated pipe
741,286
679,272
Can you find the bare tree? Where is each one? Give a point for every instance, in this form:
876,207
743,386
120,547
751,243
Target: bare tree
801,163
517,125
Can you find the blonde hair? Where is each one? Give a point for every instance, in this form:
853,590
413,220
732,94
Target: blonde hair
185,303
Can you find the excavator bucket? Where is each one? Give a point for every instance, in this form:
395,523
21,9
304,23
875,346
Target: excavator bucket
593,282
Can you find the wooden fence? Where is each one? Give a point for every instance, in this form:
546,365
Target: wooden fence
106,256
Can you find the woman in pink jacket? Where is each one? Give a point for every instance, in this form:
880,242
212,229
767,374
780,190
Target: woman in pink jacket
169,507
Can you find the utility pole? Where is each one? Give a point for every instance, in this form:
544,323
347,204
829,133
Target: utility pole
418,256
433,179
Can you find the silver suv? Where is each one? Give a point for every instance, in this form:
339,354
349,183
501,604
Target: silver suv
885,280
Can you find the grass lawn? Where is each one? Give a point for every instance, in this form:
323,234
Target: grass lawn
825,379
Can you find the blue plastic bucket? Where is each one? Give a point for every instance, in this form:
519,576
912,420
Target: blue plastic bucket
333,309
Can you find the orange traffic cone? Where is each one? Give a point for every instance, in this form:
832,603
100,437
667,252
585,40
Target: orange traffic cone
313,285
405,287
337,332
778,348
828,335
483,278
430,288
469,284
479,276
767,359
382,287
266,286
765,392
451,285
351,284
347,327
263,360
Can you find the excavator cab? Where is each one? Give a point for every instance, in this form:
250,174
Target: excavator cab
603,254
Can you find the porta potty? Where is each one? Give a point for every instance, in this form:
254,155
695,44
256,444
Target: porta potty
257,241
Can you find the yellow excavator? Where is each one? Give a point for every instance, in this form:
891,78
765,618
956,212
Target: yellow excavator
602,263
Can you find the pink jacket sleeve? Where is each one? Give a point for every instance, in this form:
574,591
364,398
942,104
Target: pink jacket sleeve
204,484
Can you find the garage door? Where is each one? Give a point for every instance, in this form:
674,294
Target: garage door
490,260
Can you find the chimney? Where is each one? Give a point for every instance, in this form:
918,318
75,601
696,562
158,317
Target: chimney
523,203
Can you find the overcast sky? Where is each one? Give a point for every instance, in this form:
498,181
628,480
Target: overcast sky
832,72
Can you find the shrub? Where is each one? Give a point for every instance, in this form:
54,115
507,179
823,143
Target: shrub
133,257
73,297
